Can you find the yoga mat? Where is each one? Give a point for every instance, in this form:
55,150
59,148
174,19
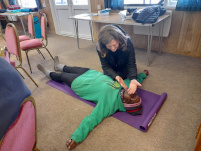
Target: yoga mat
151,103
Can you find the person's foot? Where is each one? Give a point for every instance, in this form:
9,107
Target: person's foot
56,63
146,72
71,144
43,70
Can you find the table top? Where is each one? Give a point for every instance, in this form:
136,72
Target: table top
14,14
114,18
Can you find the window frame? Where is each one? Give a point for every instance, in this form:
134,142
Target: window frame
161,2
167,4
21,5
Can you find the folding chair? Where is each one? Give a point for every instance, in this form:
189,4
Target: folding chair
13,46
36,44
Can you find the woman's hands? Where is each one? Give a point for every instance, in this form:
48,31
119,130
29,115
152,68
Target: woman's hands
133,86
121,82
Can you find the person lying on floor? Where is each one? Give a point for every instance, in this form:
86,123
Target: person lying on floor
92,85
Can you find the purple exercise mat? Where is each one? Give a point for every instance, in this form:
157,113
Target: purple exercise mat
151,103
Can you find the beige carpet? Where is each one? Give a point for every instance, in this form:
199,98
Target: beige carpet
58,114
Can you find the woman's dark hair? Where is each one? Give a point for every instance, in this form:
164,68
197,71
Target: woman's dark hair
107,34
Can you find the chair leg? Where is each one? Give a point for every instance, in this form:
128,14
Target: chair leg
7,20
20,74
40,53
49,53
3,37
28,61
29,76
1,34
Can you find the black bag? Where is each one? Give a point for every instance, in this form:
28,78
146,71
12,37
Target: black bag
148,14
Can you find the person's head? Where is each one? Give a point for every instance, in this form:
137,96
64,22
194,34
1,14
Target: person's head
111,38
130,98
132,103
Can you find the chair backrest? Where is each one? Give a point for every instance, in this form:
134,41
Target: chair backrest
44,26
31,25
12,41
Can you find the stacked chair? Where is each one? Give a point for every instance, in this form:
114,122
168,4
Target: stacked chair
30,29
36,44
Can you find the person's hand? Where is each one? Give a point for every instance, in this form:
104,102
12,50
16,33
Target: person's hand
133,86
71,144
121,82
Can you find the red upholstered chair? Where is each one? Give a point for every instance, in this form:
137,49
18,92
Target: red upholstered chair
22,134
36,44
30,29
13,46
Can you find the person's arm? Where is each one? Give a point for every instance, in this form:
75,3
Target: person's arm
106,67
101,111
121,82
132,69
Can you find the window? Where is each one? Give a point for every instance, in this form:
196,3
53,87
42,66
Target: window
80,2
171,3
142,2
165,3
27,3
61,2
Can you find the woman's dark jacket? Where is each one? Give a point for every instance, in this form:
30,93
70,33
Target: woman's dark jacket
120,63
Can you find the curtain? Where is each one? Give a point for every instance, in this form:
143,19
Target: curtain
39,6
114,4
189,5
107,3
12,2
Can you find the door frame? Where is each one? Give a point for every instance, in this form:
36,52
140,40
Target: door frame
56,26
54,16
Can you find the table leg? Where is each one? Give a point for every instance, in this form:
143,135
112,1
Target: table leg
160,36
77,34
22,24
150,35
91,30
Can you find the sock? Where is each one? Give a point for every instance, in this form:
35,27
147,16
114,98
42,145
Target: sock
44,70
57,65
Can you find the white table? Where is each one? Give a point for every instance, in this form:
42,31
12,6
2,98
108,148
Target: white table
115,18
20,14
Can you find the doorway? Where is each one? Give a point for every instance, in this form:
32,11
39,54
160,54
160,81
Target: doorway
62,9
